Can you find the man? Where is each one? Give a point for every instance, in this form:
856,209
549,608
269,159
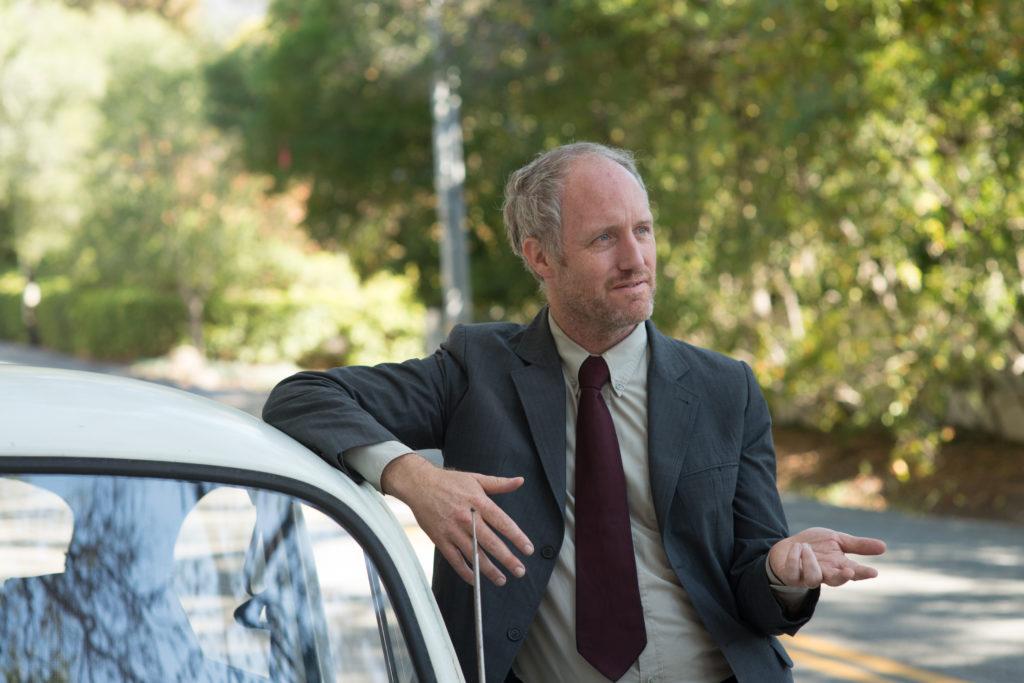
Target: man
711,577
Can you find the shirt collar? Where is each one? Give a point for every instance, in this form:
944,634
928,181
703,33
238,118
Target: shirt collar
623,359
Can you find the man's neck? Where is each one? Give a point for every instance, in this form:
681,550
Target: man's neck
595,342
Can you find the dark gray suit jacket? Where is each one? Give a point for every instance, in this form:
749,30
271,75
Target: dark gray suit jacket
493,400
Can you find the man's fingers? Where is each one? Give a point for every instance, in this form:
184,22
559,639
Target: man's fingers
487,569
494,485
461,560
494,547
496,517
489,518
790,574
503,524
860,545
456,560
810,574
859,572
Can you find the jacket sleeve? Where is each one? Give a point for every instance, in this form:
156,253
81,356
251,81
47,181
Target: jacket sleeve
332,411
759,522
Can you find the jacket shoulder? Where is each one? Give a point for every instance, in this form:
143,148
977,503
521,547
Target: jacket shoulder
498,332
693,358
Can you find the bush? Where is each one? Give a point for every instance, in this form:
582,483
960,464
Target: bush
333,319
317,326
253,327
12,326
122,323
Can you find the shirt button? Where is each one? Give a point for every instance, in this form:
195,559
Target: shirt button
514,634
547,552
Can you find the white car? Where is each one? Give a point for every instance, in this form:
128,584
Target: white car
149,534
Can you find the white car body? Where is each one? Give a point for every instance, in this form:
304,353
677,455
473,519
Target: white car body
58,422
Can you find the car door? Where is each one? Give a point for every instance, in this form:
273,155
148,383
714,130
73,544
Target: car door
115,569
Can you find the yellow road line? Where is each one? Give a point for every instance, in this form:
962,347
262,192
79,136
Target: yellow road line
834,668
832,659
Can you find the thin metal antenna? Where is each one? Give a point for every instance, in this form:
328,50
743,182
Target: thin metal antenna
477,605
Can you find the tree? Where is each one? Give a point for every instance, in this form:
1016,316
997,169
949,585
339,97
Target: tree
837,184
51,73
177,12
293,86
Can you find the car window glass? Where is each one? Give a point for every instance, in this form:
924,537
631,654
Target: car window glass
176,580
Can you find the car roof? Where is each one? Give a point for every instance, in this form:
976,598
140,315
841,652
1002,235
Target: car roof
54,413
72,413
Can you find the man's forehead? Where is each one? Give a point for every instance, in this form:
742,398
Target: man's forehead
596,184
596,166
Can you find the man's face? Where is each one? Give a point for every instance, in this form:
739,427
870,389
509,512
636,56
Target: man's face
604,284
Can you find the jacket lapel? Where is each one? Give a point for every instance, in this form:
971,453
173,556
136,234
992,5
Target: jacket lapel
541,390
671,409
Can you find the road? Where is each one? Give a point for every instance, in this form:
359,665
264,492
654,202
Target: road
947,607
948,602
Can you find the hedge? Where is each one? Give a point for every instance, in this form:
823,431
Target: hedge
111,323
11,325
312,325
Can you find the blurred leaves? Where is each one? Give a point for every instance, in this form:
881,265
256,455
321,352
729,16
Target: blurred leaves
51,73
113,179
838,184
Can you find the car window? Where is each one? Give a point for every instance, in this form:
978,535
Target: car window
168,580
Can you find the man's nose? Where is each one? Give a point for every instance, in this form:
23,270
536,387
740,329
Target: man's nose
631,253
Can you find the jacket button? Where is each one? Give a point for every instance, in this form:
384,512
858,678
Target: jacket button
514,634
547,552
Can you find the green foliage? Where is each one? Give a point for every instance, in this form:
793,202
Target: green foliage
838,184
51,72
294,87
178,12
11,324
112,323
879,237
327,317
119,196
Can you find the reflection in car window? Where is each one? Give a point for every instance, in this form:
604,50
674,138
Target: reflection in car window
40,537
166,580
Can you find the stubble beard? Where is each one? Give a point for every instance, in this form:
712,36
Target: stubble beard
599,317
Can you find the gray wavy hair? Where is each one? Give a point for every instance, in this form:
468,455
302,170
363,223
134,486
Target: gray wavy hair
533,195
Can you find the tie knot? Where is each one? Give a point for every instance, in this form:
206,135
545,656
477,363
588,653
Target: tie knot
594,373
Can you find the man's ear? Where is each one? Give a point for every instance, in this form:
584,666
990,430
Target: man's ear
535,256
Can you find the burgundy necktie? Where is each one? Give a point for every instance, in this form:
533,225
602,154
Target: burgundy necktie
610,630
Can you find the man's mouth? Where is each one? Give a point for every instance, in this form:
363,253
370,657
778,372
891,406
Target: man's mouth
631,284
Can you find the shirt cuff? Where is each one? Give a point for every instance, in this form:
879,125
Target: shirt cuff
370,460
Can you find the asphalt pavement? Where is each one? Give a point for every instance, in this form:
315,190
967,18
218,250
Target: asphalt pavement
947,606
948,601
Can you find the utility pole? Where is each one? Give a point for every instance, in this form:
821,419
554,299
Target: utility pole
449,180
